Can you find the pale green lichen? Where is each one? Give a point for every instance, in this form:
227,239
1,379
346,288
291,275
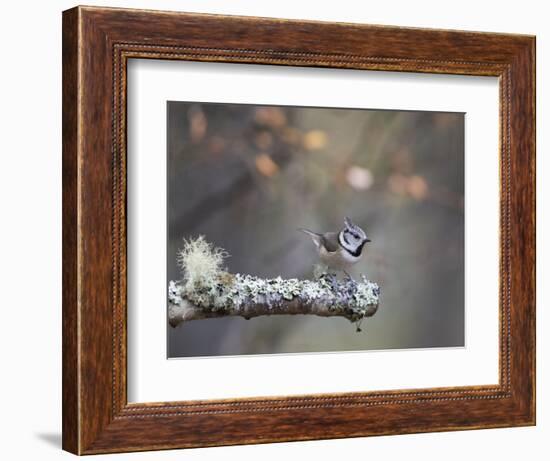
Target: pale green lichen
174,292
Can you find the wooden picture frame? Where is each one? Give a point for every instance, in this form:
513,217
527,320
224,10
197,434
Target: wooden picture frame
97,43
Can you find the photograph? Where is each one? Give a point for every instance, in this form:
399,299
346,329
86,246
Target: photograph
313,229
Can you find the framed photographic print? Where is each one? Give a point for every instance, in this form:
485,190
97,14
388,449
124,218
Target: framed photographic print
284,230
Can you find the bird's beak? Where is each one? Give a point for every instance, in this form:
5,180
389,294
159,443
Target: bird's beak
367,240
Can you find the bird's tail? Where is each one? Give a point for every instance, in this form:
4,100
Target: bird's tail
308,232
314,236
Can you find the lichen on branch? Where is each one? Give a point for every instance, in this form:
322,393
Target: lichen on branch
207,290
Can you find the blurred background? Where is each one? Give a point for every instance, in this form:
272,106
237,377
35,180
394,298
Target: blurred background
247,177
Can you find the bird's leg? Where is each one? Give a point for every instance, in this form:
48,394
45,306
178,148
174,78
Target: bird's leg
350,278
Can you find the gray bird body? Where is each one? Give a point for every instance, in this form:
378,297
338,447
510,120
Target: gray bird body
340,250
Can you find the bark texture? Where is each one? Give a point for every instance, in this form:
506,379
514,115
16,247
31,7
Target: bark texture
248,297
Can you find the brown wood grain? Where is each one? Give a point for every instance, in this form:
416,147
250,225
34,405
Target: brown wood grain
70,384
97,43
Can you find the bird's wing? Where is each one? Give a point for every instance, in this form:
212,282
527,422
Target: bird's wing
330,241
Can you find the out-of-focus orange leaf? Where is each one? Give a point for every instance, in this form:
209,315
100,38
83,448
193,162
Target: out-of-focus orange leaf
270,116
444,120
266,166
197,124
417,187
315,140
359,178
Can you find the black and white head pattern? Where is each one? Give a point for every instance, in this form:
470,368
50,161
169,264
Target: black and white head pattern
352,238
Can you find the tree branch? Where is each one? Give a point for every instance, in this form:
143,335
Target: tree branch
253,297
208,291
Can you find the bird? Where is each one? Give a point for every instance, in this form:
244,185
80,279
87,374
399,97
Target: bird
340,250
